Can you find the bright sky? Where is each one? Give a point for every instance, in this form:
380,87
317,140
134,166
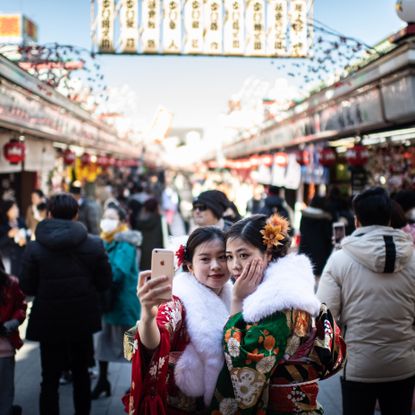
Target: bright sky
196,90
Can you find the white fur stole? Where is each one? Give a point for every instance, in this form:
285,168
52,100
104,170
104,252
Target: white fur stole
198,367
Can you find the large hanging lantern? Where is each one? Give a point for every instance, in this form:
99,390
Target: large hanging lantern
327,157
14,151
281,159
357,156
302,157
85,159
68,157
103,161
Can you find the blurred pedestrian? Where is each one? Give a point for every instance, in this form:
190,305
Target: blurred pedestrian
316,234
12,314
255,204
121,245
32,212
153,228
64,269
89,210
13,237
232,214
208,209
406,199
274,203
369,284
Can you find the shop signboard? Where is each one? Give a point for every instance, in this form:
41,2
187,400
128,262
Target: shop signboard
260,28
17,29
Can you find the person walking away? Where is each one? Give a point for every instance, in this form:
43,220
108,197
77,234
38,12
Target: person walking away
64,269
121,245
89,210
316,234
12,314
177,353
369,284
280,340
33,216
13,237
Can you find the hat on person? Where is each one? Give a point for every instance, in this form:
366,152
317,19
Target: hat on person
215,200
75,188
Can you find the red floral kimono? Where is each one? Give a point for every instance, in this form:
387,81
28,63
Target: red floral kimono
154,381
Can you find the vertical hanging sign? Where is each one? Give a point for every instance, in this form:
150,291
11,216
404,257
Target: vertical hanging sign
129,26
213,15
105,26
172,26
277,27
298,26
150,23
255,28
233,31
193,24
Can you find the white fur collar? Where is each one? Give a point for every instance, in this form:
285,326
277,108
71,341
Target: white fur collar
198,367
288,283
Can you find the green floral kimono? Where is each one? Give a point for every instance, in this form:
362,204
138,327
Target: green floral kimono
272,366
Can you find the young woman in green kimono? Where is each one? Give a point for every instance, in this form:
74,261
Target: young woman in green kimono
279,340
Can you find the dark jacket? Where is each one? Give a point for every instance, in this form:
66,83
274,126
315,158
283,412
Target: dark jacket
274,204
64,269
316,234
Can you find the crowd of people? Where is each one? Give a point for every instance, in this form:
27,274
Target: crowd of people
252,323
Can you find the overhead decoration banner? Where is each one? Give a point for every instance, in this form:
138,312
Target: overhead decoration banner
234,28
193,27
105,26
252,28
150,26
129,26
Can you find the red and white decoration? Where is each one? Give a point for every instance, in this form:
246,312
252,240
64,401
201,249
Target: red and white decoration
68,157
302,157
14,151
357,156
327,157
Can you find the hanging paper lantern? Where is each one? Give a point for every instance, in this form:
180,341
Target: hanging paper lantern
327,157
68,157
267,160
103,161
14,151
357,156
302,157
86,159
281,159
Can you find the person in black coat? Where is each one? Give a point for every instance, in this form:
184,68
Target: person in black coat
64,269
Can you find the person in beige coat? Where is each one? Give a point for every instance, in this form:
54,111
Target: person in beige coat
369,286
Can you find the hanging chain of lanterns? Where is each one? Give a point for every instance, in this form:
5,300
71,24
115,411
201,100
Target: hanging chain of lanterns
14,151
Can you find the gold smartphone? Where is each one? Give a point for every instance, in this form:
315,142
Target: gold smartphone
162,263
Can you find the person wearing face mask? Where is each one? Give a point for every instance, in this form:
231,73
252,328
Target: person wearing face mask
123,309
177,352
280,340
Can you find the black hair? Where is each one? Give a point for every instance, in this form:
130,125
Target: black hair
63,206
198,237
5,281
398,219
373,207
39,192
122,214
249,230
5,207
406,198
42,206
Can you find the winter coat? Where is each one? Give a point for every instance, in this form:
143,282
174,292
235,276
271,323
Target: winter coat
370,286
274,204
10,249
122,253
316,233
64,269
13,308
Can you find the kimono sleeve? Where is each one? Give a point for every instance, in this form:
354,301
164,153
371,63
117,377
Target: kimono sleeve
148,392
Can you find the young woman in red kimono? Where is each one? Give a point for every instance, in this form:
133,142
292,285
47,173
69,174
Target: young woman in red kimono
177,351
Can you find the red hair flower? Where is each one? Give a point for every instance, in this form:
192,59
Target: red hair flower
180,254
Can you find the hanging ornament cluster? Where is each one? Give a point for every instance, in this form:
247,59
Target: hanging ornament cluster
68,157
302,157
357,156
14,151
327,157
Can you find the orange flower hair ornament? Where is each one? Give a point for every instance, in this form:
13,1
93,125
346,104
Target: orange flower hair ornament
275,230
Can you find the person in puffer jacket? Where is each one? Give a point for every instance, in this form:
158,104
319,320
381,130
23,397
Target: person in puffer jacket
369,285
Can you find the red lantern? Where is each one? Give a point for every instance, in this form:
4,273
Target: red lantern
14,151
327,157
103,161
281,159
302,157
68,157
267,160
357,156
86,159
